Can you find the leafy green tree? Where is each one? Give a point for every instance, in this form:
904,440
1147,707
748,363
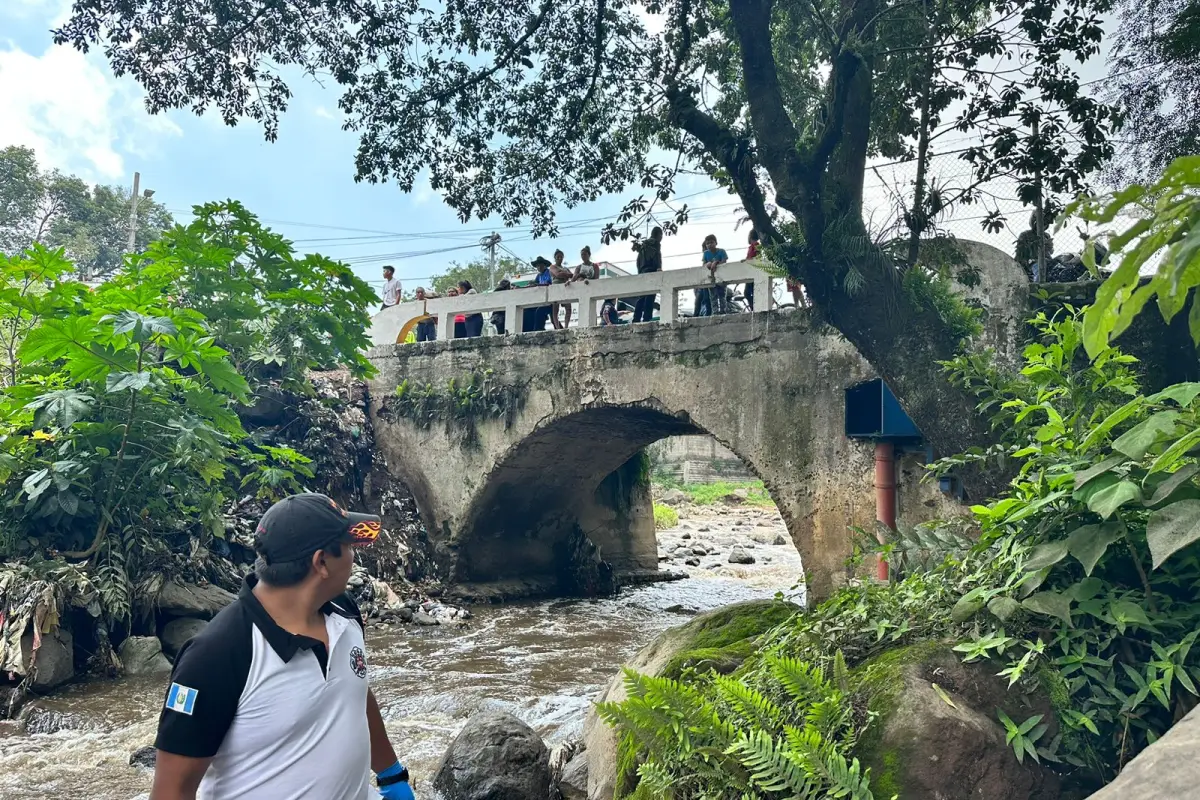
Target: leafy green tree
476,272
1156,78
119,431
278,314
90,222
533,105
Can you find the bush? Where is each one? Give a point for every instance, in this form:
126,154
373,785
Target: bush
120,441
703,494
664,517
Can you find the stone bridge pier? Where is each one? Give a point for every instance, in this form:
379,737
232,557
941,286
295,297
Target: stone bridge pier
501,491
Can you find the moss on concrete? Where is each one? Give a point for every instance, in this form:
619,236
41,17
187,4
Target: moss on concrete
721,640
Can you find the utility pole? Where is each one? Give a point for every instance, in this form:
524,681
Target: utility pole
133,206
489,243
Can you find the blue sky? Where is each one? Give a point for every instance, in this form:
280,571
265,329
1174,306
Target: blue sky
81,119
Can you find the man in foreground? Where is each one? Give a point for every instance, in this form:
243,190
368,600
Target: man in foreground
271,699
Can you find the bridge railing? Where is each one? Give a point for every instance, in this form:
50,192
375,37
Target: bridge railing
393,324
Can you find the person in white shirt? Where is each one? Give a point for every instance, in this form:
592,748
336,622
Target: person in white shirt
391,287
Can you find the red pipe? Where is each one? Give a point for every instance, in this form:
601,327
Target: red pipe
885,495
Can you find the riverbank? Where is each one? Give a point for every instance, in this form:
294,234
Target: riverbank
543,662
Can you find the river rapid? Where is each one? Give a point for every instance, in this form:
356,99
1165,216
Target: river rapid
543,662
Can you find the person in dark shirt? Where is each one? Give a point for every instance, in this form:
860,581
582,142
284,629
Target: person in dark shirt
649,260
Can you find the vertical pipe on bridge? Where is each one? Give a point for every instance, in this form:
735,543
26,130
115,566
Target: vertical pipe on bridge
885,496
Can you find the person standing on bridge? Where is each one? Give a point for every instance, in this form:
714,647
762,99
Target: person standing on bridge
426,328
712,301
271,699
391,287
649,259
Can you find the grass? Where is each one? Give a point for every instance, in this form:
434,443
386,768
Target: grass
665,517
704,494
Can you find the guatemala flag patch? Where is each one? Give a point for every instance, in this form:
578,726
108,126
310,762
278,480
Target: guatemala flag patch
181,699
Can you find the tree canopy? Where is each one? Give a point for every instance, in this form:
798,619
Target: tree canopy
1156,79
90,222
476,272
519,108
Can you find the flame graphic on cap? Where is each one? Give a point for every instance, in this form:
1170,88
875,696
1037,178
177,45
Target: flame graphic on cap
365,531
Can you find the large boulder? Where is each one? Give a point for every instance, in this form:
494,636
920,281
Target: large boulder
936,735
721,639
188,600
177,632
54,662
142,655
495,757
1169,768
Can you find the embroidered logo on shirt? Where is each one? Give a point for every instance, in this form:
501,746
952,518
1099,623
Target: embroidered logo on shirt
181,699
358,662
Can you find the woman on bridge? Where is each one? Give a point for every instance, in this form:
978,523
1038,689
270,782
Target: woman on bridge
560,274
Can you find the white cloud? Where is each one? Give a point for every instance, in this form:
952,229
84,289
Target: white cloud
325,113
74,113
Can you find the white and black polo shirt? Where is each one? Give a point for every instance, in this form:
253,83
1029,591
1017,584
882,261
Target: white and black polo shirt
282,716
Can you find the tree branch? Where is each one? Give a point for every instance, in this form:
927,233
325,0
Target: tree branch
734,153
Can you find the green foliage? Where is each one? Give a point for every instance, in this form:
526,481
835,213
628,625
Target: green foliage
929,289
461,406
119,437
1164,236
1100,521
277,313
734,741
1081,581
706,494
664,517
91,223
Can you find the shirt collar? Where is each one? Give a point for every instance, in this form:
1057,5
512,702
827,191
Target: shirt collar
285,643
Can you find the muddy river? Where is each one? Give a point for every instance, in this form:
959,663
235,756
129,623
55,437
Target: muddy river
544,662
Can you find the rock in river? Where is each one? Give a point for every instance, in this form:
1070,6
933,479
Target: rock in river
55,662
496,757
142,655
738,555
177,632
1166,769
144,757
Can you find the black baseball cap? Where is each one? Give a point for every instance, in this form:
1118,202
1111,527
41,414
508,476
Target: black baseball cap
302,524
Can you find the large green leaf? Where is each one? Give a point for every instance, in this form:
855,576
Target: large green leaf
1003,607
61,408
1172,528
56,338
1088,543
1177,479
1138,440
1114,419
1082,477
1106,501
1050,603
1181,393
1045,555
122,381
141,326
224,378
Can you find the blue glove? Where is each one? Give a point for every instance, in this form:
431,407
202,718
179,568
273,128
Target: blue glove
394,791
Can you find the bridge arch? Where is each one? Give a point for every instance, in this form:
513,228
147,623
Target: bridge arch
769,386
577,471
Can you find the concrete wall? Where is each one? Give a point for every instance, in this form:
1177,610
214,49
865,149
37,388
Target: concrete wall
697,459
769,386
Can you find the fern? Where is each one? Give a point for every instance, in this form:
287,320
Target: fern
752,706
